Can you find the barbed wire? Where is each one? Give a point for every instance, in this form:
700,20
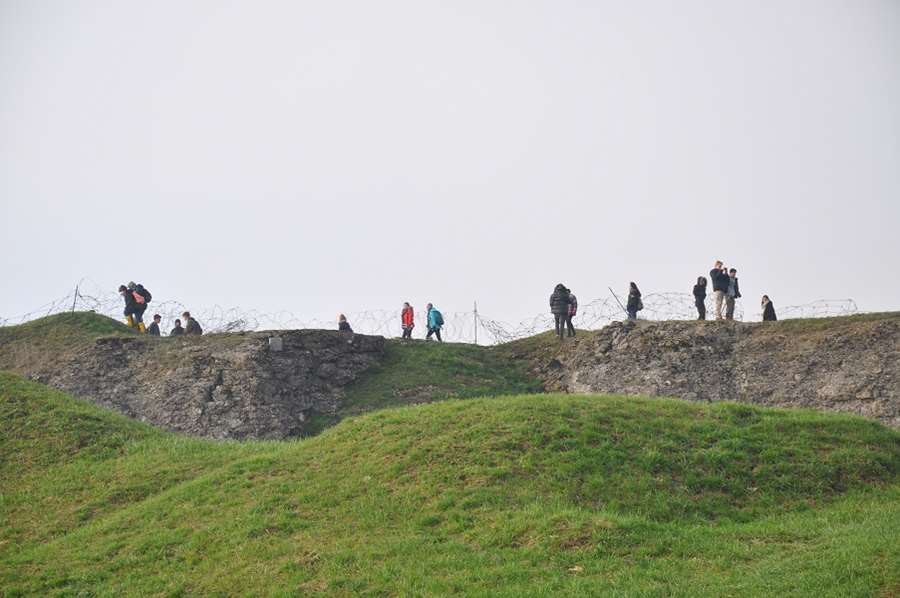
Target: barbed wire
460,326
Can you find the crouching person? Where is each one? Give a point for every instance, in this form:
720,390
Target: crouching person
191,326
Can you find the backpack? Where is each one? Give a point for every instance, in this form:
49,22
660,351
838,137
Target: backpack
640,305
143,293
138,298
438,318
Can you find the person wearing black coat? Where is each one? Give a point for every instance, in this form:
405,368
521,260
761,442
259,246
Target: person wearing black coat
178,330
192,326
153,329
768,309
732,294
700,297
559,307
634,304
343,324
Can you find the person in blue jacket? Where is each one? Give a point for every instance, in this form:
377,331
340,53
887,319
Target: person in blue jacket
435,322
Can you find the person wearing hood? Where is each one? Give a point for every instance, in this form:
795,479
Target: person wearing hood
559,307
178,330
700,297
343,324
435,322
768,309
635,304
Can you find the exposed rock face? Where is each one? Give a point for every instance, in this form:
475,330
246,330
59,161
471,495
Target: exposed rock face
844,366
221,386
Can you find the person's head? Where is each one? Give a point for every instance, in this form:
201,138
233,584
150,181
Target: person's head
186,315
131,286
719,264
342,318
157,318
429,306
732,273
405,304
765,299
560,287
701,280
632,286
177,323
122,289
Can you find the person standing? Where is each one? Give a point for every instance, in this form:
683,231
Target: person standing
178,330
635,304
768,309
559,307
733,293
134,310
700,297
435,322
719,278
153,329
407,320
343,324
191,326
573,311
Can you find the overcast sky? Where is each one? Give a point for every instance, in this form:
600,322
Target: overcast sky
339,156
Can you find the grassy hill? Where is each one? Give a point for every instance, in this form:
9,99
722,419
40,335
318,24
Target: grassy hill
523,495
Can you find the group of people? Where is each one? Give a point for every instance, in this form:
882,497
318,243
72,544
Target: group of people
137,297
433,318
726,291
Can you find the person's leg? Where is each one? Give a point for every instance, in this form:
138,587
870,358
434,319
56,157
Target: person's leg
719,296
428,334
437,333
729,308
570,326
632,314
557,321
701,310
139,318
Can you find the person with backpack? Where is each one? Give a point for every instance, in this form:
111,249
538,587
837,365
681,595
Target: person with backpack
135,305
700,297
573,311
719,278
559,307
343,324
635,304
407,320
192,326
768,310
435,322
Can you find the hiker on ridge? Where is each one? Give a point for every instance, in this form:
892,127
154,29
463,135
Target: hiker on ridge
634,304
192,326
178,330
407,320
343,324
768,309
700,297
435,322
731,294
134,309
719,278
573,311
559,307
153,329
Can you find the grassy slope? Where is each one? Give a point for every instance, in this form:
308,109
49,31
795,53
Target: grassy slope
508,496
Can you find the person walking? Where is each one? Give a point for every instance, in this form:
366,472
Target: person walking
135,305
407,320
573,311
153,329
435,322
191,326
719,278
768,310
343,324
559,307
634,304
700,297
178,330
733,293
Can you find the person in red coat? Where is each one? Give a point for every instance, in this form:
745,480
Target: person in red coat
407,318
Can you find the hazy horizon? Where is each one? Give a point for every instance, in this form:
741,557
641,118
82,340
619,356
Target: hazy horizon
349,156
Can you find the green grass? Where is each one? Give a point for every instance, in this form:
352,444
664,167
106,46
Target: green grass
526,495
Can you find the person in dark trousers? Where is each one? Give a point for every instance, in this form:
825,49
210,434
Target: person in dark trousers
634,304
435,322
768,309
343,324
407,320
191,326
700,297
573,311
134,310
178,330
142,297
559,307
719,278
731,294
153,329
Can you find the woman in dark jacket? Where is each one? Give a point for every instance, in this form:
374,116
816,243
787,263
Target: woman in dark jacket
559,307
700,297
343,324
634,301
768,309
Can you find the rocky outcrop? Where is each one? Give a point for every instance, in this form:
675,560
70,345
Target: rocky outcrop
240,385
839,365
